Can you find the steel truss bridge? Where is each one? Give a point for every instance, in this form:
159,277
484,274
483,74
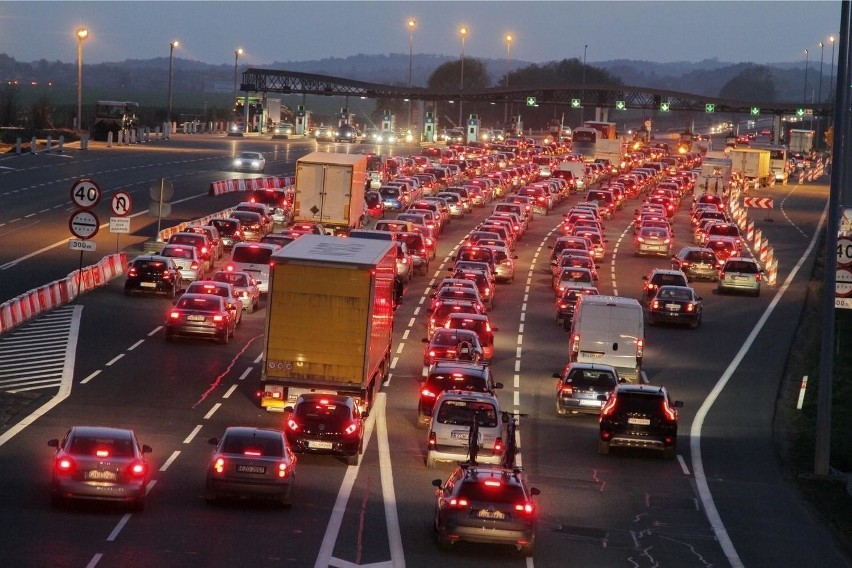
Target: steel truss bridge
600,96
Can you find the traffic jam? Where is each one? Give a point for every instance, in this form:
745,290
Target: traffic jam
217,275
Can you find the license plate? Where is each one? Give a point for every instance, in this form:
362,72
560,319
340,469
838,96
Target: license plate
319,445
251,469
639,421
192,317
486,514
101,475
591,355
148,284
587,402
460,434
673,307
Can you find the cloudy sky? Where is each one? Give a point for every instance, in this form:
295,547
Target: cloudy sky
280,31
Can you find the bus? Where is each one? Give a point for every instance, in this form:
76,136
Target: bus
584,141
112,116
606,129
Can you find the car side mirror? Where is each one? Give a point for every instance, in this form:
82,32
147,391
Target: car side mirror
700,299
602,397
498,386
213,441
146,449
678,404
556,375
436,483
420,378
645,278
535,491
54,443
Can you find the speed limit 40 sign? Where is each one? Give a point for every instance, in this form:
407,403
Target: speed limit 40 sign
85,193
844,252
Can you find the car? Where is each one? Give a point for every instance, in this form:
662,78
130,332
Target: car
347,133
572,277
639,416
250,161
216,244
565,243
153,273
252,226
259,207
202,315
283,130
255,259
661,277
452,375
198,240
278,239
452,344
99,463
653,241
327,424
567,302
676,304
583,388
442,308
450,427
278,201
327,133
187,259
230,230
454,292
725,247
698,263
484,283
245,287
416,245
486,504
222,289
505,263
740,274
251,462
479,324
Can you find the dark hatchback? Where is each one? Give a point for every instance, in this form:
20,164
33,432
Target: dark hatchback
153,273
327,424
639,416
452,375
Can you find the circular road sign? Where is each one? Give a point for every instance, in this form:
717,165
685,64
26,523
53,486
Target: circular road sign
121,203
83,224
85,193
161,190
843,284
844,252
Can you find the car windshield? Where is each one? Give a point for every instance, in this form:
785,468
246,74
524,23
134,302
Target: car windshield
251,255
461,413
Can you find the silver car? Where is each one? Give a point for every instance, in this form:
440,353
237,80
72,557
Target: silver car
250,161
740,274
187,259
99,463
504,264
449,428
245,287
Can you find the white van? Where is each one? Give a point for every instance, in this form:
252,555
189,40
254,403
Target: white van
609,330
253,258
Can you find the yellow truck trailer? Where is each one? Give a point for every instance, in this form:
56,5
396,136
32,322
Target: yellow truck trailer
329,321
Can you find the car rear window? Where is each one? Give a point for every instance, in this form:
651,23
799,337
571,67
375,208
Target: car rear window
95,446
461,413
641,403
740,266
206,304
231,278
476,490
669,280
253,445
193,240
154,265
247,217
324,412
591,378
224,227
697,256
459,380
251,255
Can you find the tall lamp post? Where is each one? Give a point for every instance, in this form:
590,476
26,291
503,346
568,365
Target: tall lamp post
583,92
412,24
463,32
509,39
82,33
805,91
172,46
831,75
237,53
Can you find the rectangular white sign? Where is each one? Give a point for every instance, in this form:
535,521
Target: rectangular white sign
843,303
119,224
80,244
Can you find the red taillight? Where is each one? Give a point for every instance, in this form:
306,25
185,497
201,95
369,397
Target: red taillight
757,276
174,315
219,465
690,307
351,429
575,343
218,318
282,469
428,394
292,425
458,503
133,272
137,469
65,465
498,446
193,266
433,440
166,275
640,345
566,390
655,304
609,407
670,413
526,508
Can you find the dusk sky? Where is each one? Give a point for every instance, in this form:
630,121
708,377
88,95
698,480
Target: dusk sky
280,31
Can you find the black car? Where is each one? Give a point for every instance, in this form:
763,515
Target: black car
486,504
230,230
452,375
676,304
327,424
203,315
567,302
153,273
347,133
639,416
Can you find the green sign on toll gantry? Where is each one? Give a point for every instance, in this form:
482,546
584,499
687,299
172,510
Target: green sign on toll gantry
620,105
576,103
800,112
709,107
665,107
531,101
755,111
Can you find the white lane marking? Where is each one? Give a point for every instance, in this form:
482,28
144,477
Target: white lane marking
95,559
683,465
399,348
393,365
416,311
90,377
155,330
258,359
411,322
192,434
391,515
135,345
245,373
695,431
114,359
171,460
230,391
114,534
405,334
212,410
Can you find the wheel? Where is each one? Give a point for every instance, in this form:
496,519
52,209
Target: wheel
250,309
560,411
652,322
287,498
757,293
603,447
444,543
526,550
354,459
223,338
422,421
57,501
170,336
210,496
430,461
694,324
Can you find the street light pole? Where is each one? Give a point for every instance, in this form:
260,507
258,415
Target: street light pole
172,47
583,92
82,33
237,53
805,91
412,24
819,89
509,39
463,32
831,75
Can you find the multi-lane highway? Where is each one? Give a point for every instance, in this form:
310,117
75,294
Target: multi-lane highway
724,501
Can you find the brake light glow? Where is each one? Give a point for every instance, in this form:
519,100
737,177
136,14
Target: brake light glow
219,465
174,315
293,425
525,508
102,453
428,394
137,469
65,465
218,317
458,503
670,413
575,343
609,407
492,483
351,428
640,345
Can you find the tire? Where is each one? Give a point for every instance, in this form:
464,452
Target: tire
444,543
430,461
128,291
173,293
603,447
422,421
560,411
287,498
526,550
250,309
354,459
223,339
170,336
210,496
695,324
57,501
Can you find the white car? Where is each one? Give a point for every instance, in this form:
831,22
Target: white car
250,161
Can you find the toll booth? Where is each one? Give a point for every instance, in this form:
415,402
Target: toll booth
344,116
303,120
429,127
472,128
388,120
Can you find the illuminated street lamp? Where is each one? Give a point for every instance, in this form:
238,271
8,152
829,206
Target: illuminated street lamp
508,39
583,92
463,32
237,53
412,24
82,33
819,89
805,92
831,76
172,46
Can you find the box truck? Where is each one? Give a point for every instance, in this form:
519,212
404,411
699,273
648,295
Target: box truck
330,190
752,164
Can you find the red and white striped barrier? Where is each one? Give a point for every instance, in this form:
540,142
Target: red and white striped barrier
750,231
758,239
250,184
772,272
758,202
